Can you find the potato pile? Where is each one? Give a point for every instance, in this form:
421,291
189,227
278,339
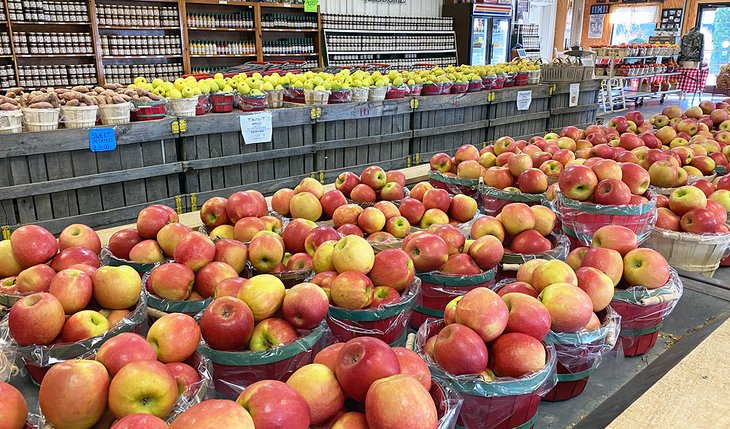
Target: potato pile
78,96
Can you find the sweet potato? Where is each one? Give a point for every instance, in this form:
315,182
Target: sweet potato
41,105
8,106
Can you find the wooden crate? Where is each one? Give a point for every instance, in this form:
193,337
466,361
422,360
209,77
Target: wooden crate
53,179
442,123
506,120
582,115
350,137
217,162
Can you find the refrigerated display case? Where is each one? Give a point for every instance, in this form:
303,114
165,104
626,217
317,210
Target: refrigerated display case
482,31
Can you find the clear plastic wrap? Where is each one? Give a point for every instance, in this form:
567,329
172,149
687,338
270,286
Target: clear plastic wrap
453,185
438,289
511,262
388,323
448,403
699,253
294,95
579,353
396,92
7,353
233,371
493,199
690,180
340,96
107,258
505,402
157,304
252,103
432,88
582,219
360,95
643,312
38,359
149,110
203,390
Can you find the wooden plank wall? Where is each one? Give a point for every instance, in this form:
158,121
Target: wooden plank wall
216,161
506,120
582,115
54,179
351,137
442,124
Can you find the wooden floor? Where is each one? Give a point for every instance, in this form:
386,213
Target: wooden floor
693,394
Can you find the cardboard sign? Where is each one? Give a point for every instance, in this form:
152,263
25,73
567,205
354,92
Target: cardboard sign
574,94
524,100
311,5
102,139
256,127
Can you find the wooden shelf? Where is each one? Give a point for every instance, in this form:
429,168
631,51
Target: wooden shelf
123,27
291,55
289,30
438,51
282,5
133,57
224,56
71,24
54,55
6,56
422,32
220,29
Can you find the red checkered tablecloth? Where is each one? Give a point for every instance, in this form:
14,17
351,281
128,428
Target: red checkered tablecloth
693,79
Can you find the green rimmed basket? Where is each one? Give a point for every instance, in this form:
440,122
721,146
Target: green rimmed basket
453,185
388,323
492,199
505,403
233,371
643,312
438,289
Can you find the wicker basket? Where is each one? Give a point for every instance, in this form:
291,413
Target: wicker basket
698,253
316,98
79,116
115,114
41,119
11,121
360,95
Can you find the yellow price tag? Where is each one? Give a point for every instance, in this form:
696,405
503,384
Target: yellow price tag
6,232
178,204
321,176
408,161
418,158
193,202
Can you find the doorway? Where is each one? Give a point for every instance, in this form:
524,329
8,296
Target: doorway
714,22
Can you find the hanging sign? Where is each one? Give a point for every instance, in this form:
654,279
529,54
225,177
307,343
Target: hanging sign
311,6
574,94
524,99
256,127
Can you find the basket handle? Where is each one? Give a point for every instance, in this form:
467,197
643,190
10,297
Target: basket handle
659,299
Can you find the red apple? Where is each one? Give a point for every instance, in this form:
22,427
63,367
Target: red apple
78,235
459,350
428,252
36,319
570,307
33,245
213,413
484,311
58,397
646,267
374,177
516,355
331,200
361,362
578,182
245,204
273,404
394,268
122,349
305,306
37,278
122,241
391,398
699,221
346,182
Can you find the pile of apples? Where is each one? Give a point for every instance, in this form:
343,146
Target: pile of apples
690,209
130,376
444,248
520,228
67,297
352,276
260,314
309,201
32,257
355,385
605,182
425,206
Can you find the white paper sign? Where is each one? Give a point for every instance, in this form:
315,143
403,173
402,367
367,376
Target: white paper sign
524,99
256,127
574,94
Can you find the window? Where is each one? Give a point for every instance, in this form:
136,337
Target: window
633,24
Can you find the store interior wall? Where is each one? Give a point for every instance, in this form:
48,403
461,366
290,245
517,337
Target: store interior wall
605,38
430,8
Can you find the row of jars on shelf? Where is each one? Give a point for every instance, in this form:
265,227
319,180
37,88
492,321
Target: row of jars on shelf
637,69
52,43
140,45
210,47
56,75
48,11
125,73
386,23
395,43
283,20
242,19
137,16
299,45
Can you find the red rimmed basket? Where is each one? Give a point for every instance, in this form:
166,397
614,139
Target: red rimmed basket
431,89
581,220
396,92
476,86
149,111
643,312
506,403
460,88
438,289
221,103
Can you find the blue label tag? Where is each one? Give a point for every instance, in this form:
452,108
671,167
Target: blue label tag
102,139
